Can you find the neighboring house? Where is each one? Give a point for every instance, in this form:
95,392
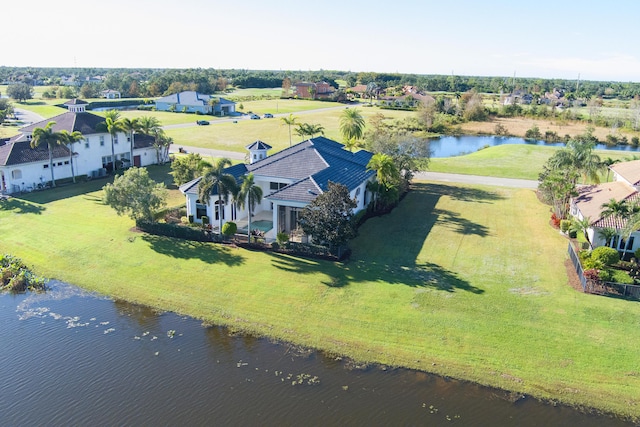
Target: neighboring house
22,168
290,180
518,97
588,204
320,90
111,94
194,102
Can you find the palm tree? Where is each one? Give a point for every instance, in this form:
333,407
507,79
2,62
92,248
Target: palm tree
250,195
615,208
113,125
386,171
351,124
49,137
290,121
69,139
312,129
580,156
212,103
148,125
215,178
608,235
582,226
130,126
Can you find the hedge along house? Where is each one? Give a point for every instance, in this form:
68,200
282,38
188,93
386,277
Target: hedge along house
290,180
194,102
23,168
588,204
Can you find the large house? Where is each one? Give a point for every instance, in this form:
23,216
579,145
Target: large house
23,168
318,90
290,180
588,204
194,102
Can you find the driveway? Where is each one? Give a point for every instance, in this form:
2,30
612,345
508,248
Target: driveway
26,116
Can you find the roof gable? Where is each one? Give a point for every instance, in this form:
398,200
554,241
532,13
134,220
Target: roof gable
85,123
630,171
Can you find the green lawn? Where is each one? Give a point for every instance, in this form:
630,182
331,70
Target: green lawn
235,136
455,281
507,161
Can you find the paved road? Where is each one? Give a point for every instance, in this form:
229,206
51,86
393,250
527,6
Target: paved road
28,117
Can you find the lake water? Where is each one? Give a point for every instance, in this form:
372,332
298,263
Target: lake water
71,358
448,146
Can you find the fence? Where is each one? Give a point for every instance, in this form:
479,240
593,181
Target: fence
575,259
627,291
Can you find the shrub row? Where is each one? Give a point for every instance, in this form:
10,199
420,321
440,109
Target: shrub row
177,231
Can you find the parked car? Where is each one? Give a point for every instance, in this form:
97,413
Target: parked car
202,122
268,116
254,117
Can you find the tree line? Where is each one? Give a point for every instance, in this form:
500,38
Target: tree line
158,82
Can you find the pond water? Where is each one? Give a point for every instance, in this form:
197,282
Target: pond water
71,358
449,146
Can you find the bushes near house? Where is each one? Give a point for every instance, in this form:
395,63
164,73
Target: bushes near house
565,224
605,256
229,229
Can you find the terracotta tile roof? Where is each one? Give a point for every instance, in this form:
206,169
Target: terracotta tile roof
629,171
591,198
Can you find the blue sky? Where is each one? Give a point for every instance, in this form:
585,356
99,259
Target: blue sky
597,40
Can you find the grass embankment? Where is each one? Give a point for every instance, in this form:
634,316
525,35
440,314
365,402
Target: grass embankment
454,281
509,161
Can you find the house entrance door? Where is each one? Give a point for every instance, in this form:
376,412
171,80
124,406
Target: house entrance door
137,162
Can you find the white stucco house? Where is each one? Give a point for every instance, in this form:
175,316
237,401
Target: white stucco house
290,180
23,168
194,102
588,204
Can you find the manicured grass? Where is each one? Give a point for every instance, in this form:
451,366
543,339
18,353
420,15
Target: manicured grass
43,107
235,136
508,161
464,281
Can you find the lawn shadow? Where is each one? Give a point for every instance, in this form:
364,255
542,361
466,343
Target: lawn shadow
186,249
20,206
466,194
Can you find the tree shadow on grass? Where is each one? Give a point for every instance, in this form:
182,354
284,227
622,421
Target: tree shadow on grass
457,223
20,206
186,249
424,275
462,193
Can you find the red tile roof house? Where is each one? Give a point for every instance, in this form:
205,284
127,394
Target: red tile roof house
23,168
290,180
588,204
320,90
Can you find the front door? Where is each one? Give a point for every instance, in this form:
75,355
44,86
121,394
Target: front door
137,162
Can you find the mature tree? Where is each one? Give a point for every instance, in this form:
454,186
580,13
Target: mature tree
213,101
427,113
134,193
289,121
187,168
386,189
249,196
130,126
328,217
286,87
351,124
69,139
579,155
216,179
88,91
6,109
615,208
557,186
20,92
48,136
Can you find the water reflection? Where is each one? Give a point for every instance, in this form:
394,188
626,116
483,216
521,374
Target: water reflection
448,146
77,359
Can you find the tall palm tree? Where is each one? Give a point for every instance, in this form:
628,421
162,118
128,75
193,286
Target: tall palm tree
250,195
351,124
608,235
113,125
290,121
130,126
580,156
69,139
49,137
615,208
215,178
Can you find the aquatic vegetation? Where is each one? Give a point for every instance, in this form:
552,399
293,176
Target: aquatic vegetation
16,277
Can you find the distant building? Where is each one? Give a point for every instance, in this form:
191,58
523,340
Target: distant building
194,102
